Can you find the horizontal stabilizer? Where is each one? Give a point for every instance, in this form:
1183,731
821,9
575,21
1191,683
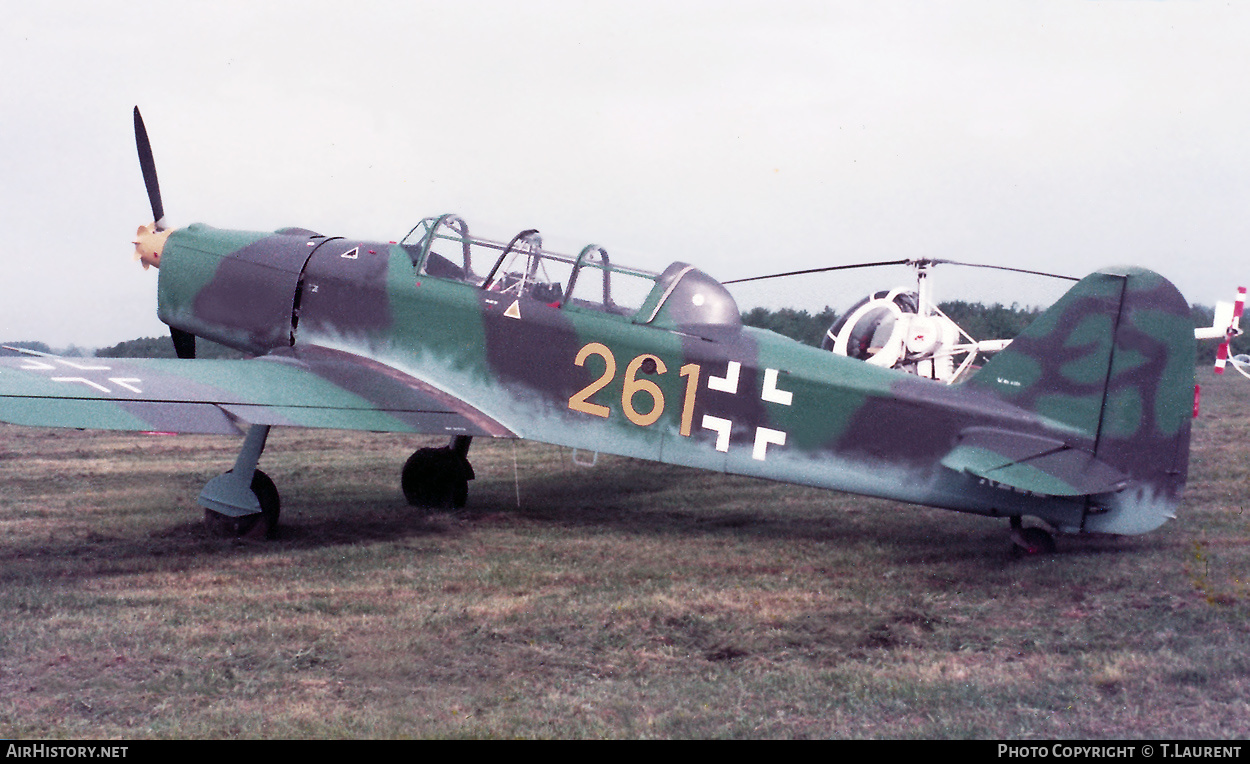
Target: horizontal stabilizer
1032,463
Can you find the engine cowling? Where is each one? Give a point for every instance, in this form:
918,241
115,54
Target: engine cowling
237,288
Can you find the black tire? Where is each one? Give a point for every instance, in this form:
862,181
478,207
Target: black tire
1037,543
436,478
270,502
460,493
259,526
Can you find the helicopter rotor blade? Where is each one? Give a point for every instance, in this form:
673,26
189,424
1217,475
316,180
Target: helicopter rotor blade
148,164
818,270
922,262
936,261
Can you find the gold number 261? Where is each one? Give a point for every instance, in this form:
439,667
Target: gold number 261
633,387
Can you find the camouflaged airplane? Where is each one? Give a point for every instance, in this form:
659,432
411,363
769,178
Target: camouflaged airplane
1082,422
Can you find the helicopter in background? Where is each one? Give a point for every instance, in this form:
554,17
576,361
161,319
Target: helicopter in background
903,328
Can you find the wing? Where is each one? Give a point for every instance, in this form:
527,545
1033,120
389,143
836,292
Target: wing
311,387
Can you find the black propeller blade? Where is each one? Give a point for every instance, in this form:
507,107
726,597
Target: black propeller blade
148,165
184,342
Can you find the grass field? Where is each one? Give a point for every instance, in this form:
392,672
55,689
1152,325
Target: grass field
625,600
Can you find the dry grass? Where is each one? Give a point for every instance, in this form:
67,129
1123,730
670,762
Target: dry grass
628,600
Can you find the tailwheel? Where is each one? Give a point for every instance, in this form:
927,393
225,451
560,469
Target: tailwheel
437,478
1031,541
258,526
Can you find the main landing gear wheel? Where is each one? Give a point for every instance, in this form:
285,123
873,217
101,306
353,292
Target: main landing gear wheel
437,478
262,525
1030,542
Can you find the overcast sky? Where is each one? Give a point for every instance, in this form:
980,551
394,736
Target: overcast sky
744,137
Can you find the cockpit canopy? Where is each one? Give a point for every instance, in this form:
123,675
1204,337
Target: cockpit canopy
682,298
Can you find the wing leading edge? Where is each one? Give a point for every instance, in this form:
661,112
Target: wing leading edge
311,387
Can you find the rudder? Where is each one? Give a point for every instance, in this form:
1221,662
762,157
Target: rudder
1112,362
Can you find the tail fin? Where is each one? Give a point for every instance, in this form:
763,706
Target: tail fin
1112,362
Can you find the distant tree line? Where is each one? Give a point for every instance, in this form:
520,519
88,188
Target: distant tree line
795,324
144,347
990,322
73,351
163,347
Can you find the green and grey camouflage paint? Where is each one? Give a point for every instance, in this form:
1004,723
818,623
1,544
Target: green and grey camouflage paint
1083,421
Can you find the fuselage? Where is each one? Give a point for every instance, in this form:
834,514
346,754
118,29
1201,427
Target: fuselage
671,376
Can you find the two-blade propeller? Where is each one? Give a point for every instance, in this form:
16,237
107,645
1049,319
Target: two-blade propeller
150,238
